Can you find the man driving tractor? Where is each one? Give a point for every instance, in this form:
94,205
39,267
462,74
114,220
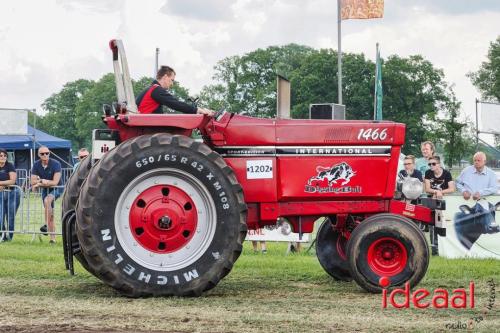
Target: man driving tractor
151,99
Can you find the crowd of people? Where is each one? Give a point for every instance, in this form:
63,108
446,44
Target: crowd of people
476,181
45,178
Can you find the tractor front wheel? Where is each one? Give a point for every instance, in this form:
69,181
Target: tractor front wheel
387,246
331,251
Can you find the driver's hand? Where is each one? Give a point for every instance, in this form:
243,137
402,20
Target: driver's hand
208,112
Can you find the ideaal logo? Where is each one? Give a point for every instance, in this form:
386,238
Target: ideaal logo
327,177
422,298
440,298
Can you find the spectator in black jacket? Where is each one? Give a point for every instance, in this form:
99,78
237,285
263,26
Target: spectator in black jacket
409,169
151,99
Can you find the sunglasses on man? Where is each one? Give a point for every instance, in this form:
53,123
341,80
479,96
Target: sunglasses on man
432,164
47,153
81,157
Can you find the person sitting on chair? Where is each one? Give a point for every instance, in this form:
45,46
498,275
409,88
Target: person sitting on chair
151,99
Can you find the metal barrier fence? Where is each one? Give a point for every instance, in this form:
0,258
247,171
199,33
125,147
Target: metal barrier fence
22,211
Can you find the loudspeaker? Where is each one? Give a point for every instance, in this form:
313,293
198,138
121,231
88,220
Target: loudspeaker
327,111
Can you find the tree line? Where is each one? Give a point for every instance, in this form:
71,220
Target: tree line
415,93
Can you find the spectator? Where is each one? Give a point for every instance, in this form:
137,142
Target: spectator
262,246
82,154
477,181
409,169
438,182
9,197
46,174
428,149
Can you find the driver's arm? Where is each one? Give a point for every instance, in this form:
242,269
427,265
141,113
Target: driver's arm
163,97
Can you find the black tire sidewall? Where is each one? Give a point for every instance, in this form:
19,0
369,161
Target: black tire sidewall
328,255
409,236
112,185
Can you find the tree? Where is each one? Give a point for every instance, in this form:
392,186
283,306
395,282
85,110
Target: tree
248,83
60,119
315,81
454,135
487,77
414,93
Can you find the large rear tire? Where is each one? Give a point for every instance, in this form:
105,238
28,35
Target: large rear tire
161,215
70,198
390,246
331,251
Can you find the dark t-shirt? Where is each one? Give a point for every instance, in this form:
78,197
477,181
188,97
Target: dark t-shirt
416,174
439,183
4,171
48,172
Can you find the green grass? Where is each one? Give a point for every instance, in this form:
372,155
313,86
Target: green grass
263,293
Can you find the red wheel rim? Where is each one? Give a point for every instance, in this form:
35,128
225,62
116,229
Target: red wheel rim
163,219
387,256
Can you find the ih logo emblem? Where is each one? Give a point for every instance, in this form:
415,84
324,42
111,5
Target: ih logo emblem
332,180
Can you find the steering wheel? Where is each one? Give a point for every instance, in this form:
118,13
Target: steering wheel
219,114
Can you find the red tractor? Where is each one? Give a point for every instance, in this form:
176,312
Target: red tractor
164,214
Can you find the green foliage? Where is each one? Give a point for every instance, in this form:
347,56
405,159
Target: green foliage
455,137
487,77
61,118
315,81
414,93
248,83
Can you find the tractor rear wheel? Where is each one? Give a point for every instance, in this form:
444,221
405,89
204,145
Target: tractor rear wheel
389,246
331,251
70,198
161,215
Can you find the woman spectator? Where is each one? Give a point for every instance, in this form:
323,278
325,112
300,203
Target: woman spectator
9,197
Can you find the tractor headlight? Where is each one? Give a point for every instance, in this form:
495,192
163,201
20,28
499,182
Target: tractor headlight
412,188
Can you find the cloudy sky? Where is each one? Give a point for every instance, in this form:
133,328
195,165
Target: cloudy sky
44,44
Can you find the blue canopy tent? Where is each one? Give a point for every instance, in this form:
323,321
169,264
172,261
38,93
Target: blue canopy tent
24,148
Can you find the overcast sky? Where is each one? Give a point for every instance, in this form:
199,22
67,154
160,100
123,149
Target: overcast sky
46,43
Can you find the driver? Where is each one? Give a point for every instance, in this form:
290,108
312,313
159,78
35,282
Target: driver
151,99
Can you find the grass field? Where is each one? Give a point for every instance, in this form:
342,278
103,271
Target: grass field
263,293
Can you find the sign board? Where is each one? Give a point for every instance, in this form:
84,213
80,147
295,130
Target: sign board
468,237
13,122
490,118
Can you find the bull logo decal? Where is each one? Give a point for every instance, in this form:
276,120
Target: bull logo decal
339,175
339,172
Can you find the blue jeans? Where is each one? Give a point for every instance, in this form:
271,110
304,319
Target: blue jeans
9,203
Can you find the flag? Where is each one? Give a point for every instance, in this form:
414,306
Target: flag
378,87
361,9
